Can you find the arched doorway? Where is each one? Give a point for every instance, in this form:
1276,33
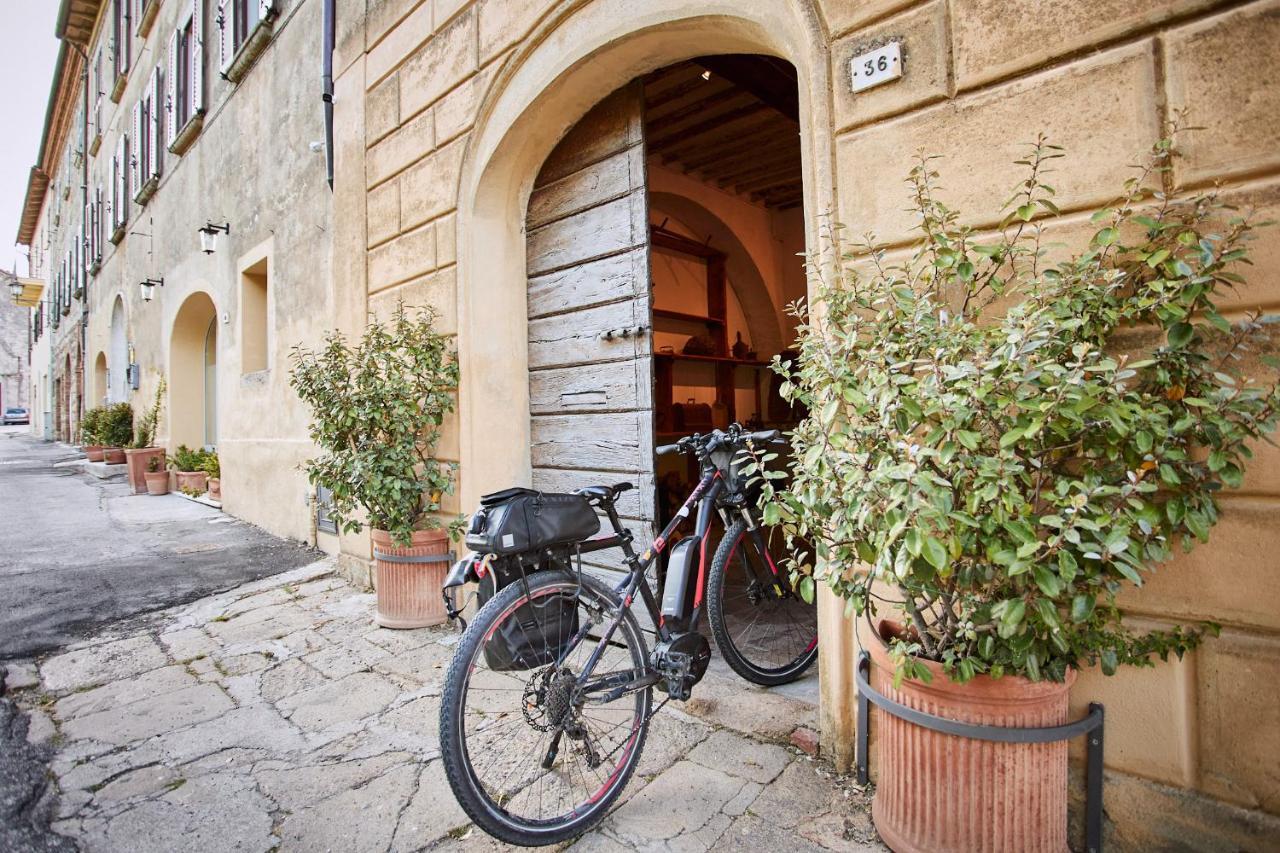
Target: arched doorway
118,359
193,376
100,379
561,70
564,68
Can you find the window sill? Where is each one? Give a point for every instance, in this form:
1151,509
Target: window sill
78,293
65,310
95,144
117,88
148,18
118,234
182,141
95,267
146,191
252,48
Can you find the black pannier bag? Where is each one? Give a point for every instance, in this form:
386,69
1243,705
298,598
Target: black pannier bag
516,524
516,521
538,632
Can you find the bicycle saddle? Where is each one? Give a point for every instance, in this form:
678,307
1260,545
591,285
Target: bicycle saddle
604,493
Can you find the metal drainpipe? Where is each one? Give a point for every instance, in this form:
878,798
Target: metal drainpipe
327,97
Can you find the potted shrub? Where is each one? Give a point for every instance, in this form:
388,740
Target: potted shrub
213,470
189,474
142,448
157,476
998,446
115,431
377,407
89,429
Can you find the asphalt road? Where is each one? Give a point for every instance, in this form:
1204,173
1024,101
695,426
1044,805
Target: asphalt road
77,553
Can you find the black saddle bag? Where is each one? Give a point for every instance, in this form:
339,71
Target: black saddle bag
518,521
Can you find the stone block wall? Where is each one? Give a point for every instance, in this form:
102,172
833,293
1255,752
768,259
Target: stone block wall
1195,739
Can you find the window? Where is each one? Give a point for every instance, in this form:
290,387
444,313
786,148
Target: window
120,188
148,136
243,30
184,82
121,45
156,88
254,317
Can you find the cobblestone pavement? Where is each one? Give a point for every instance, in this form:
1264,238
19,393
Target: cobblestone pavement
276,716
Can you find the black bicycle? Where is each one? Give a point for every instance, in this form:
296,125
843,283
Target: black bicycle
547,702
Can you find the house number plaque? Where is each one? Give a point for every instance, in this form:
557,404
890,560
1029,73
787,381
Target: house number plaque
876,66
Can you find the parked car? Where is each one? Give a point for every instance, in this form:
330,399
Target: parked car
15,415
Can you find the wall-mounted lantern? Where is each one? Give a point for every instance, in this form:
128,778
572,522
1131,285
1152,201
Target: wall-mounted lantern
209,236
15,288
148,287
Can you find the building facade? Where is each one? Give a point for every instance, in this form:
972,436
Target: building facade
182,115
583,187
15,345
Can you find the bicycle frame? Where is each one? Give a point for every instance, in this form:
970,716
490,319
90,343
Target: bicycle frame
704,497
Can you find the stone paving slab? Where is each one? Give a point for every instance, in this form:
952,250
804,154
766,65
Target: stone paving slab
277,716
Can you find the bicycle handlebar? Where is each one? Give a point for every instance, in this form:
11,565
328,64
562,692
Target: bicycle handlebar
717,438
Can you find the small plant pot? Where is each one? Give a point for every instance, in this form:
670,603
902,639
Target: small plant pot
409,580
157,482
939,792
192,481
139,462
113,455
215,488
93,452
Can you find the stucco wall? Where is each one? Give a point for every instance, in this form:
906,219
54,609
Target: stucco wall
1192,744
252,166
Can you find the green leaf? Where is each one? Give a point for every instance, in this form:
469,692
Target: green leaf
1011,437
1082,607
1106,236
936,553
1049,583
1180,334
806,588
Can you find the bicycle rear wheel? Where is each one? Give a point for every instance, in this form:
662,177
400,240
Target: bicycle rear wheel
764,629
532,757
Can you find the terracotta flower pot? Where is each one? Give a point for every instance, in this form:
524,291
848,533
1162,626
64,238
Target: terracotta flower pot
409,592
187,481
937,792
94,452
215,488
113,455
139,460
157,482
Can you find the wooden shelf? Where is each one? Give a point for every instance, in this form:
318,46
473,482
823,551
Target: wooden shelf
717,359
689,318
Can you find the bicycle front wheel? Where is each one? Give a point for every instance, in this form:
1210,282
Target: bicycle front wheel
764,629
533,756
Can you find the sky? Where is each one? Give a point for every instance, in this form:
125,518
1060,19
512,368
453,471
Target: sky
28,50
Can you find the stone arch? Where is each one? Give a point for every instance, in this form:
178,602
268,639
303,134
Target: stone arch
118,354
193,396
740,268
100,379
570,63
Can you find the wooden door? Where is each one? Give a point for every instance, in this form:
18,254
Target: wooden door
590,348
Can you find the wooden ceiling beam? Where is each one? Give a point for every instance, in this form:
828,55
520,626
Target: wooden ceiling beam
743,167
741,147
659,99
715,122
772,81
726,99
688,138
773,178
